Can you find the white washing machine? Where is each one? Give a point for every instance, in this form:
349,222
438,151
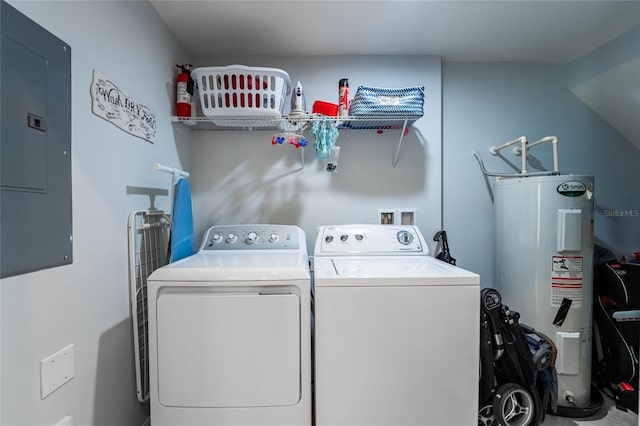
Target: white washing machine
396,331
229,331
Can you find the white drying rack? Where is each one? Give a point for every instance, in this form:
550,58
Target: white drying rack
148,235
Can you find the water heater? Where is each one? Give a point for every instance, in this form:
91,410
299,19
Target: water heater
543,268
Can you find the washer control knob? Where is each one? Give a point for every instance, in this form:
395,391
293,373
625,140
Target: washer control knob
344,237
359,237
273,237
405,237
328,238
231,238
252,238
216,238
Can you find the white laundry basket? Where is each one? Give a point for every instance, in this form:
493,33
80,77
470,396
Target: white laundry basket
238,91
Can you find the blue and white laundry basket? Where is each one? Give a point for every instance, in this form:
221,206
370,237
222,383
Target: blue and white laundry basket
383,102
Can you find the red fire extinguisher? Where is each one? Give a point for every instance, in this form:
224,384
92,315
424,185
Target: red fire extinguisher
184,91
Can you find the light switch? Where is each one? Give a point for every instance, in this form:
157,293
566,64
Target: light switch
56,370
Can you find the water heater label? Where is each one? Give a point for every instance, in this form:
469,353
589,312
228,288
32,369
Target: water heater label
572,188
566,280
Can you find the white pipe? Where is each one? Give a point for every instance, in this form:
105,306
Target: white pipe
495,149
523,146
517,150
522,140
556,161
507,175
554,141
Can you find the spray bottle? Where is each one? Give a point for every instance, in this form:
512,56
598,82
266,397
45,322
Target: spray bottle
343,97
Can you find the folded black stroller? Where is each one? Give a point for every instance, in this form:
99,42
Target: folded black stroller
517,374
616,313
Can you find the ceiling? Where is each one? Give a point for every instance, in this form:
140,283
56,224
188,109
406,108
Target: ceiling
544,31
511,31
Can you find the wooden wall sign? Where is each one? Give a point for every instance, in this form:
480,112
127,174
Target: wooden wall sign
116,105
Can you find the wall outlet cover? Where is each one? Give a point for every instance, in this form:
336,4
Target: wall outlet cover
56,370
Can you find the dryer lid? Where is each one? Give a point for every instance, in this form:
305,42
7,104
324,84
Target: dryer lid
229,266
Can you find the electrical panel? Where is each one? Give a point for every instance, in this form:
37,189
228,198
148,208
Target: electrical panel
35,147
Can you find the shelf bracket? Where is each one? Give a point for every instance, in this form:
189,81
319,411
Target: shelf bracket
404,128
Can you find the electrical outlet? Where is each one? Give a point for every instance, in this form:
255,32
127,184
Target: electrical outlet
56,370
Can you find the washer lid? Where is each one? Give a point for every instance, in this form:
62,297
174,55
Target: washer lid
230,266
376,271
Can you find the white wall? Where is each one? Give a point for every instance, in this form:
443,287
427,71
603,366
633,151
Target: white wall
87,303
239,177
607,79
489,104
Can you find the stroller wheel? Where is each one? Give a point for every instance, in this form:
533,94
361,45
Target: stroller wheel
513,405
485,415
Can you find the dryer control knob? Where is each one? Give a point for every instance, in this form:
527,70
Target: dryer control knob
405,237
231,238
328,238
359,237
273,237
216,238
344,237
252,238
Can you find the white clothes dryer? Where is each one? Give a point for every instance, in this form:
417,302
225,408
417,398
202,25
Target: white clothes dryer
229,331
396,331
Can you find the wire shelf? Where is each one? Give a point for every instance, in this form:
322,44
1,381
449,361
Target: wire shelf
300,122
148,251
283,123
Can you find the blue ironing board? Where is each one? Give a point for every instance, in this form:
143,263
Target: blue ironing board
181,222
